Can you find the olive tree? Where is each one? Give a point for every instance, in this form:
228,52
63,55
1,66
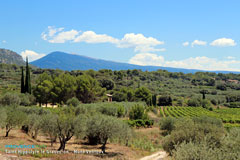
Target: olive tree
33,122
100,128
14,119
49,127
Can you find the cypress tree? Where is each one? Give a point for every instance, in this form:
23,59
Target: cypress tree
22,82
27,80
154,100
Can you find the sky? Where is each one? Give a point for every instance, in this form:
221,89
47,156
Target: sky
172,33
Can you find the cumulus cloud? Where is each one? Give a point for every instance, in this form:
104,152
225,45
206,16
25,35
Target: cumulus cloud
198,43
223,42
146,59
32,56
57,35
202,63
138,42
185,44
92,37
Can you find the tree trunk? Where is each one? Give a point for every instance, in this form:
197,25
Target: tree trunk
62,144
104,146
7,131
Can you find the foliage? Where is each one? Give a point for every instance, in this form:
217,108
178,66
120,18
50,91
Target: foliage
107,83
88,89
140,123
228,149
167,124
143,94
15,118
73,102
188,130
100,128
221,86
10,99
27,88
194,102
165,101
138,112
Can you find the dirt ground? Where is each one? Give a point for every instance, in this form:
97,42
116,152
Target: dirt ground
17,137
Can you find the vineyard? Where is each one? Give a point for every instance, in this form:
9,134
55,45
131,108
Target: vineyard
230,117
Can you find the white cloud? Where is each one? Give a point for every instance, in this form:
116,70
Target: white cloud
4,41
92,37
57,35
32,56
223,42
199,43
202,63
62,37
139,42
185,44
145,59
230,57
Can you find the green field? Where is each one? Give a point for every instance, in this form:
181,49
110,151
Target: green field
230,116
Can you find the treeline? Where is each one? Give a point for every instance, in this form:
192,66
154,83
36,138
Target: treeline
61,88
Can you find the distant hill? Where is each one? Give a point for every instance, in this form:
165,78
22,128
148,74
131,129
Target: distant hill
65,61
10,57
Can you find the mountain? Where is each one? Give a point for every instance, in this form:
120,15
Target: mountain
10,57
65,61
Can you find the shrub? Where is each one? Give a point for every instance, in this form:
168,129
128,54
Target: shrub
167,124
214,101
10,99
120,111
195,130
191,150
73,102
137,112
234,105
165,101
110,110
27,99
193,102
205,103
222,87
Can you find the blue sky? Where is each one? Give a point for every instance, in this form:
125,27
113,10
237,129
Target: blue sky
175,33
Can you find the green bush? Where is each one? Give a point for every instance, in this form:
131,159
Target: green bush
120,111
167,124
234,105
228,148
138,112
165,101
193,102
196,130
140,123
198,151
10,99
73,102
205,103
27,99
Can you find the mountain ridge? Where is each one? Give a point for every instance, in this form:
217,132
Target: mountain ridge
66,61
10,57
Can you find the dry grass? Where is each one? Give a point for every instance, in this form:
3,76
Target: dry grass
114,151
